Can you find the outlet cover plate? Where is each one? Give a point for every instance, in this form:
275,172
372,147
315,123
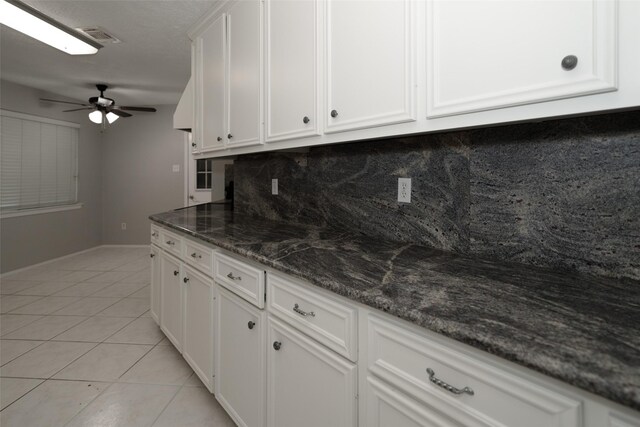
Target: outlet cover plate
404,190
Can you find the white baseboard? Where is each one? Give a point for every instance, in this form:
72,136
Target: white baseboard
40,264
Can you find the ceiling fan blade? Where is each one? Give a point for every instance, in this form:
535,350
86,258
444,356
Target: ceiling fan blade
148,109
120,112
78,109
64,102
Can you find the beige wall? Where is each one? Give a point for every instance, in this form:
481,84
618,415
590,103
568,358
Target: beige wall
28,240
138,155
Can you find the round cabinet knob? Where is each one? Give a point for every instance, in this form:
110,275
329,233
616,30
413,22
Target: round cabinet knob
185,280
569,62
229,136
250,325
305,120
152,255
219,138
194,145
277,345
176,272
334,113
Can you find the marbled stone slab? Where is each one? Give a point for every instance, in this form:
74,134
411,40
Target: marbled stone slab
581,329
355,187
562,194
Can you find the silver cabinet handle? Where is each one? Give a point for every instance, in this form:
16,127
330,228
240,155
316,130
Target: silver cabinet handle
305,120
219,138
250,325
232,277
185,280
195,255
334,113
450,388
297,309
277,345
176,272
229,136
171,243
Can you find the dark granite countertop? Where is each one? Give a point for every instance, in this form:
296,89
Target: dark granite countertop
583,330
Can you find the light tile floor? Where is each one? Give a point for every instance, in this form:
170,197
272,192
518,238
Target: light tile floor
79,348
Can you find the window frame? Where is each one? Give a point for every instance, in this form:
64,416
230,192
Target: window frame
208,162
36,210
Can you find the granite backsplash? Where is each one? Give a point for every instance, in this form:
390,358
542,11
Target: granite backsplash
562,193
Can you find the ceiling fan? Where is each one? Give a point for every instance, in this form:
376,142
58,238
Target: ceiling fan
103,109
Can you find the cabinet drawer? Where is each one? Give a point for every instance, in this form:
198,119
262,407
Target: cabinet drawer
240,278
198,256
499,398
155,234
171,242
326,320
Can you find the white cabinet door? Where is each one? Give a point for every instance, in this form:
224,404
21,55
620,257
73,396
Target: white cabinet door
210,71
155,284
291,67
308,385
371,63
240,360
492,54
244,22
171,299
197,347
388,407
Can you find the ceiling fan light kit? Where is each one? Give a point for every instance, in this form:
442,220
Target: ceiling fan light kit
111,117
96,117
27,20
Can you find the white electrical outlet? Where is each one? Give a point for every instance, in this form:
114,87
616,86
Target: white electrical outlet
274,187
404,190
123,225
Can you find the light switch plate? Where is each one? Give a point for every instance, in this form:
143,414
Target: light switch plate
274,187
404,190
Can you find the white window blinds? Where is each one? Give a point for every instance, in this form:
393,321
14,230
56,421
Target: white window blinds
38,161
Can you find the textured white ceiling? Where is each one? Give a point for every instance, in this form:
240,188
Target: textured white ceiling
150,67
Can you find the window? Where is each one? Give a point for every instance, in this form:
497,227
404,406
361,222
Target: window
204,174
39,161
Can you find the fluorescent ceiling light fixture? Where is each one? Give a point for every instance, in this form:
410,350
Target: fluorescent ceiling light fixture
96,116
27,20
112,117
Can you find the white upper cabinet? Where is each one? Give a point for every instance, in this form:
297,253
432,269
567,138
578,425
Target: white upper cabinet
370,65
291,68
244,21
210,65
487,54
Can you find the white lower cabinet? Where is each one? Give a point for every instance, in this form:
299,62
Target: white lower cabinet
197,343
240,360
308,385
171,299
155,283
